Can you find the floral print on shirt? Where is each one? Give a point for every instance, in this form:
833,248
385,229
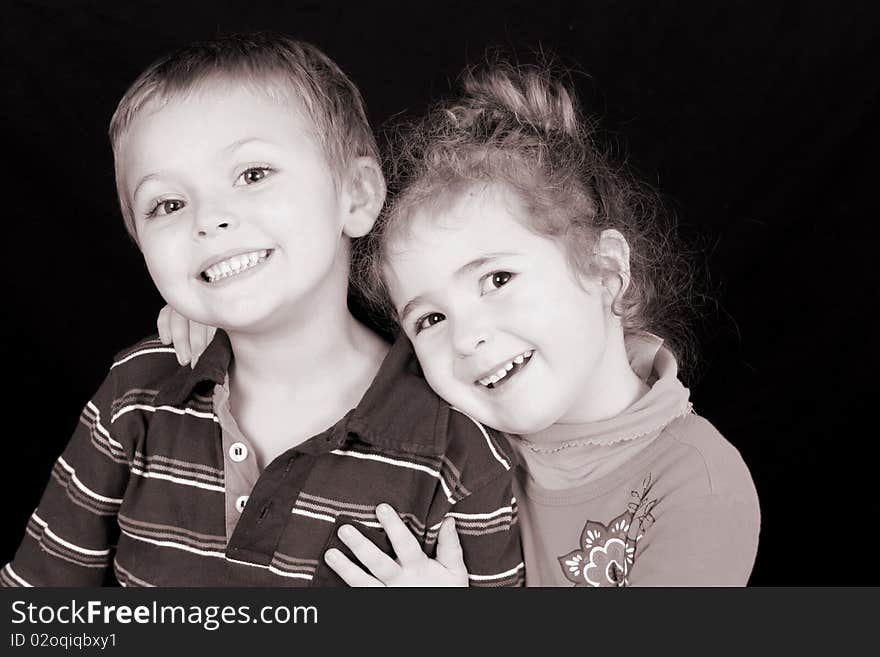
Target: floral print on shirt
607,552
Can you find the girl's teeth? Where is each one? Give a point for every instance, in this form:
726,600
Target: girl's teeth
501,373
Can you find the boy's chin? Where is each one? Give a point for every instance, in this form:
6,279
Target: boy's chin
240,316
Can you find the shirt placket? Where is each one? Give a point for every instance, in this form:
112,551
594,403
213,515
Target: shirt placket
240,468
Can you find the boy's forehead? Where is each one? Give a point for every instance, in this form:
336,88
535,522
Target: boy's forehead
218,113
270,93
189,136
268,103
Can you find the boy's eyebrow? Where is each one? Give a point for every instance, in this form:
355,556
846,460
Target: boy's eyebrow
476,263
231,148
143,181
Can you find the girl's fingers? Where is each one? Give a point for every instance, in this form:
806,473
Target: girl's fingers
163,324
180,337
200,337
351,573
405,545
449,552
377,562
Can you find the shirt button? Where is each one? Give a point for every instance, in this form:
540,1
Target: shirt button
238,452
240,502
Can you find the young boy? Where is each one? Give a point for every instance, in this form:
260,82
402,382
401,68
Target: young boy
245,165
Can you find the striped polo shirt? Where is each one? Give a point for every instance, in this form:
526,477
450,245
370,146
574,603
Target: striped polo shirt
142,485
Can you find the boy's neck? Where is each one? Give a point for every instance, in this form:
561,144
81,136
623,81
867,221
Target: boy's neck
294,382
304,352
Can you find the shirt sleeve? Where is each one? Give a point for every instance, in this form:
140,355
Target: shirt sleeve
486,512
710,542
70,537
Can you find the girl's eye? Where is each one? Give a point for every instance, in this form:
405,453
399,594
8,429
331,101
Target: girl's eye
427,321
166,207
253,175
495,280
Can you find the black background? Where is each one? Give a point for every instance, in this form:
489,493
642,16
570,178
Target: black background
757,120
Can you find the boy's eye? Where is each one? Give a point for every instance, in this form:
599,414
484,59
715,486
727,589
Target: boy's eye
427,321
253,175
166,207
495,280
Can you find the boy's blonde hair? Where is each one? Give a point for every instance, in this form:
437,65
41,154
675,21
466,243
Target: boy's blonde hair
522,127
275,64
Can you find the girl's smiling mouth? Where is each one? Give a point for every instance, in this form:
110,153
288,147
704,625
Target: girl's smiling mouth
505,371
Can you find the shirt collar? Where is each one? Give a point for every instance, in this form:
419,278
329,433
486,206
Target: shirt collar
398,410
666,400
211,367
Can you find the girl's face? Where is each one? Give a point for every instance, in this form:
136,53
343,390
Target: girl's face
504,329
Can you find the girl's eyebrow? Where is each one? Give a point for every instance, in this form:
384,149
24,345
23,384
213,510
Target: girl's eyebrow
476,263
234,146
408,308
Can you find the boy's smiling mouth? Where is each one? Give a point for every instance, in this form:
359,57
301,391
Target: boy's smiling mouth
505,371
234,265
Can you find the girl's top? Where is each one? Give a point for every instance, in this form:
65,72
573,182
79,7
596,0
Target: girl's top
652,497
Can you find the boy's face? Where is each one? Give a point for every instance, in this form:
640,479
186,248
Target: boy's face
235,207
479,295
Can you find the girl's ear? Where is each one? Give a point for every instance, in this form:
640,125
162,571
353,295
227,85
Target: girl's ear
612,251
364,195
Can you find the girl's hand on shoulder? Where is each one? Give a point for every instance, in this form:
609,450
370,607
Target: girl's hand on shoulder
190,339
412,567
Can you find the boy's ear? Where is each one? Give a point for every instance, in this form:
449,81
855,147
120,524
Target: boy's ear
612,251
365,195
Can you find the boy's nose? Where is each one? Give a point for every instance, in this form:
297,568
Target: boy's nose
210,223
206,230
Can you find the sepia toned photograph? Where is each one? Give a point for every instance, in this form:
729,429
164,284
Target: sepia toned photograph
501,294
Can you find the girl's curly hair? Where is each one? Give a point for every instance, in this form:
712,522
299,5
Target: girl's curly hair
521,126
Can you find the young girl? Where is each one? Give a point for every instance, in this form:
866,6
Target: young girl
534,283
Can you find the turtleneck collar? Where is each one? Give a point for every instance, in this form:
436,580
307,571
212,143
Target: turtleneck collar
564,455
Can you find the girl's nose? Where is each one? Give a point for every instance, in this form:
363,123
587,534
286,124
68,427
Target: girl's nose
469,339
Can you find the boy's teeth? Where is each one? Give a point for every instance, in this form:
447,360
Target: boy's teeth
234,265
518,360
